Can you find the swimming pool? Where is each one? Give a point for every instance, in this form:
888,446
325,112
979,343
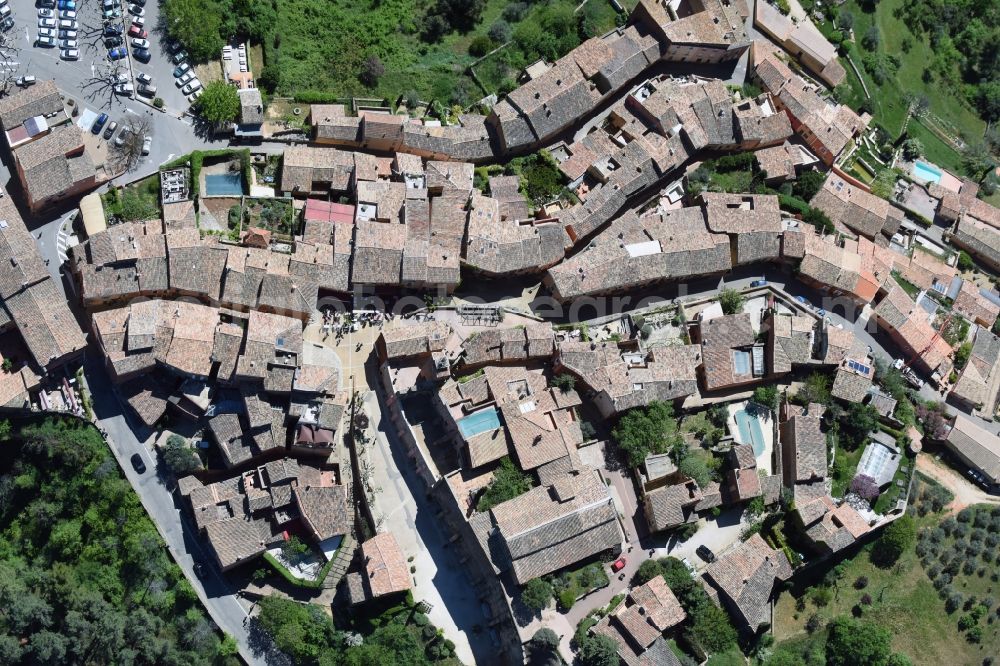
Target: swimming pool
221,184
750,431
477,422
925,171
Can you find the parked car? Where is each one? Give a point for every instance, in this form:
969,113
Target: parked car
113,29
68,14
5,12
184,78
117,53
98,125
122,136
67,34
142,55
179,57
191,87
758,283
47,3
705,553
180,69
7,23
112,126
140,43
109,4
111,14
139,21
195,95
136,31
821,312
147,144
45,13
67,4
173,46
46,32
146,89
110,42
618,564
68,24
143,77
803,300
46,23
124,89
69,54
136,10
687,563
137,463
68,44
26,80
140,3
47,41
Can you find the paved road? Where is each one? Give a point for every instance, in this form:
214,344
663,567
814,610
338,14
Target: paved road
407,512
228,612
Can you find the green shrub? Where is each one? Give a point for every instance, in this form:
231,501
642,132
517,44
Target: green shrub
480,46
158,102
566,599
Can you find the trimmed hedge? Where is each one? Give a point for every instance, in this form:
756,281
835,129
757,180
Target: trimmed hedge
197,157
298,582
792,204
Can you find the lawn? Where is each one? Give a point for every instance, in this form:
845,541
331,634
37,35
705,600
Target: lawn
845,464
136,202
946,100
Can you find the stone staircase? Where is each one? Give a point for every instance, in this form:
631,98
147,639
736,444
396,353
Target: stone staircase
341,561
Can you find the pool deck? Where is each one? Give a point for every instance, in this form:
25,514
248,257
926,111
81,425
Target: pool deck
764,460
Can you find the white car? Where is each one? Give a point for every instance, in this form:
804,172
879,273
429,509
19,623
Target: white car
139,21
68,44
185,77
4,11
46,40
136,10
124,89
68,14
147,143
45,13
70,54
46,23
67,24
191,87
67,34
143,77
193,97
140,43
46,32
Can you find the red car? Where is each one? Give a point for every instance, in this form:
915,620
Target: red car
136,31
618,564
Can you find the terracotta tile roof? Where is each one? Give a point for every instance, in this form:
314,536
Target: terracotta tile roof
326,510
721,339
806,447
386,570
910,326
672,505
977,446
46,324
41,99
501,246
856,209
745,577
414,339
979,238
305,167
48,169
971,303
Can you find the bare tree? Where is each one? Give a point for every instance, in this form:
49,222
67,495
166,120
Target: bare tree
103,84
8,53
127,155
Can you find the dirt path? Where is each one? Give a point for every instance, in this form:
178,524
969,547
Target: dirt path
965,492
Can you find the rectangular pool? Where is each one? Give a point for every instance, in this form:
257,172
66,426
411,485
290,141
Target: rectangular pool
927,172
223,184
477,422
750,431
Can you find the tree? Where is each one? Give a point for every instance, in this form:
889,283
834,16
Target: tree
508,482
965,262
564,381
537,594
599,650
912,149
766,396
500,31
818,219
871,39
693,466
808,184
857,643
845,20
731,301
711,628
815,389
899,536
197,25
372,70
962,354
864,487
220,102
646,430
647,571
858,421
180,458
543,646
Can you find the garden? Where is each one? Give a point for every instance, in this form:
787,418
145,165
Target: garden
275,215
133,203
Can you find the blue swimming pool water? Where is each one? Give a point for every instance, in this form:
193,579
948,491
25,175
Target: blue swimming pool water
750,431
221,184
477,422
926,172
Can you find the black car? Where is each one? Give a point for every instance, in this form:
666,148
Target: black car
142,55
705,553
112,41
113,29
110,130
137,463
